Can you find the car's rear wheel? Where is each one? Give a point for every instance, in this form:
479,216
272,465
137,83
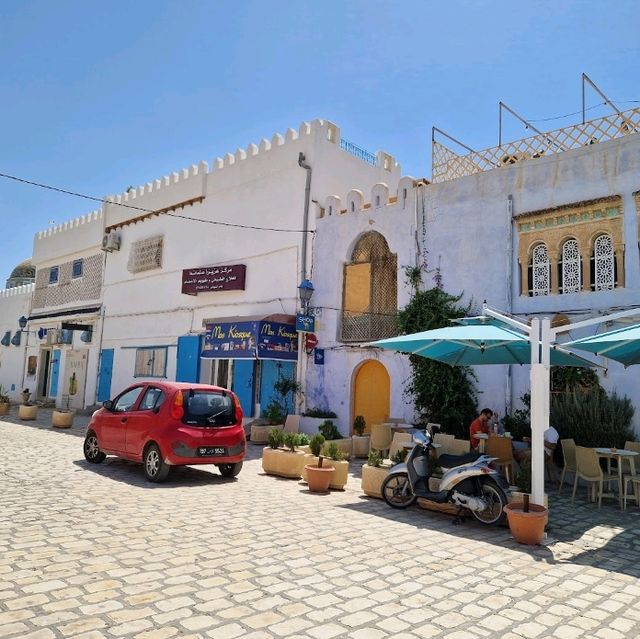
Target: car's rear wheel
92,452
154,467
230,470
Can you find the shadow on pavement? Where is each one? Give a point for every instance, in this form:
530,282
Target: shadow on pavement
131,473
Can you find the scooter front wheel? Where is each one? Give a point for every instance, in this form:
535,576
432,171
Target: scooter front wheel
396,491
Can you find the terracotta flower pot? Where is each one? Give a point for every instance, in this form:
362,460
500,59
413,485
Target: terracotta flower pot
27,412
319,478
526,528
62,419
4,408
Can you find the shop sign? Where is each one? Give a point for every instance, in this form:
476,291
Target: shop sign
250,340
305,323
213,278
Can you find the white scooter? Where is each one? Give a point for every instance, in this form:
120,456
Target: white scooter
467,481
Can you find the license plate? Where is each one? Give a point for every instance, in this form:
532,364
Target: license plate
212,451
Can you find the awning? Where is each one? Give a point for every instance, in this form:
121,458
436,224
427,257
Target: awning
66,313
251,337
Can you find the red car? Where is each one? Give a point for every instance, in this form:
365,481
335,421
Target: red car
164,424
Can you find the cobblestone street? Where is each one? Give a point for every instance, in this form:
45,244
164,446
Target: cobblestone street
95,552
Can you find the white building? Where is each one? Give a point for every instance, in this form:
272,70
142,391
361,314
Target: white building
205,252
546,226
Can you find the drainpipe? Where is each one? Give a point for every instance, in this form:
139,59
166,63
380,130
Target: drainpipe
305,220
302,358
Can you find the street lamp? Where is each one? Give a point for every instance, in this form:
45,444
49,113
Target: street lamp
305,290
22,322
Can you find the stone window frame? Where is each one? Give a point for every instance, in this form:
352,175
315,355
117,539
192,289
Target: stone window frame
80,263
54,275
581,221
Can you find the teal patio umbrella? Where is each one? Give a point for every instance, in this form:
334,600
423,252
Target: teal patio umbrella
475,345
622,344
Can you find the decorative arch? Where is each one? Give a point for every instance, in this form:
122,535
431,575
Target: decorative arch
603,260
539,270
370,290
570,267
371,393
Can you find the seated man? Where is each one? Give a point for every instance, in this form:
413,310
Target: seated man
479,425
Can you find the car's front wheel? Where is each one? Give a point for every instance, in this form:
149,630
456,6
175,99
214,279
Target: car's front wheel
154,467
230,470
92,452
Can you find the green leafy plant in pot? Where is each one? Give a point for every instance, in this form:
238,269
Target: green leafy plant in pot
359,425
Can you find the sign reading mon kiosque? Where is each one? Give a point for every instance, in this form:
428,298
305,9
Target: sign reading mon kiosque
213,278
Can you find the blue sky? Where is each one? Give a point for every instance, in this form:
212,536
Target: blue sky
98,96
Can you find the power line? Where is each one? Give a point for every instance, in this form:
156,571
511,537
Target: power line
568,115
139,208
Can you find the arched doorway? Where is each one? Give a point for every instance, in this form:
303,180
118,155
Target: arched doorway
371,393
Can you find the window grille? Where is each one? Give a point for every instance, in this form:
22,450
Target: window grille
54,272
370,295
541,271
604,264
570,271
151,362
77,268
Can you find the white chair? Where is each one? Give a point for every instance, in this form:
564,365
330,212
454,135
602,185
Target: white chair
380,437
292,424
400,441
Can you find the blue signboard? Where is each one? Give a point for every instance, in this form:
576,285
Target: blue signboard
277,341
250,340
318,356
305,323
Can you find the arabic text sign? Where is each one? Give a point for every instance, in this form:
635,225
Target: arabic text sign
213,278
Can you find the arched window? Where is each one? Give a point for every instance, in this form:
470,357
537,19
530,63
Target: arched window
603,264
570,268
370,291
539,271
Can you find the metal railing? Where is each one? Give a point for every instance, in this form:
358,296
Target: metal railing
359,152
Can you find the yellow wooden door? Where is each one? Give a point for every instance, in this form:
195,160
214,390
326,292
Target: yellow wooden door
371,392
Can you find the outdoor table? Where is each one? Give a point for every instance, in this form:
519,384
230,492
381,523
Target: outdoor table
482,437
617,454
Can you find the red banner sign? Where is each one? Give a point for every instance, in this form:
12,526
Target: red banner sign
213,278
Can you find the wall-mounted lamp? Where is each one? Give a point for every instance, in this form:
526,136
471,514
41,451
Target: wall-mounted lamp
305,290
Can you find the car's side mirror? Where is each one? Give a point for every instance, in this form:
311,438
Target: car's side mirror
156,410
108,404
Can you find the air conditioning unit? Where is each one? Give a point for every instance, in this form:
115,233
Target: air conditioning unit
111,241
52,336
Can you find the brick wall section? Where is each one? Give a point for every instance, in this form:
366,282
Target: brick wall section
68,289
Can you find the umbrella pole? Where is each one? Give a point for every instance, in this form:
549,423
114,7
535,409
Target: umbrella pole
540,374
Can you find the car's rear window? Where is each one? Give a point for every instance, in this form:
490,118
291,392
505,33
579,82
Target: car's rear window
208,408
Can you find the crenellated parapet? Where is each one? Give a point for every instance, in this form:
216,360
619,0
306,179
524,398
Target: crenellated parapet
379,199
77,235
16,291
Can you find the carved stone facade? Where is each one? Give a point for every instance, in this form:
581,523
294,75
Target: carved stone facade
575,239
69,289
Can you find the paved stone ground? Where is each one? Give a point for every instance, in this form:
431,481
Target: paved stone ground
95,552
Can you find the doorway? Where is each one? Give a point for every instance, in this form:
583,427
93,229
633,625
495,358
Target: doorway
371,393
43,378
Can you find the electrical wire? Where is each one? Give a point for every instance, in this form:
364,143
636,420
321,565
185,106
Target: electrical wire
568,115
139,208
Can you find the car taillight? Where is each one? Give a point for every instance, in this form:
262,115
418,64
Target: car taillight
177,408
238,410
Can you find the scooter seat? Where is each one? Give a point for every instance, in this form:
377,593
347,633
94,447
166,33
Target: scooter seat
451,461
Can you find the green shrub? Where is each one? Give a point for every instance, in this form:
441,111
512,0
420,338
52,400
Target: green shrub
523,476
400,456
275,438
316,444
329,430
303,439
332,451
374,459
274,413
359,425
519,424
594,419
319,412
291,440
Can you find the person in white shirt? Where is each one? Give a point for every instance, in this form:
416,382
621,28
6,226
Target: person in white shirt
551,437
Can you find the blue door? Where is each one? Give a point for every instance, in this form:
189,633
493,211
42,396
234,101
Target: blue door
106,367
188,365
55,374
242,384
270,373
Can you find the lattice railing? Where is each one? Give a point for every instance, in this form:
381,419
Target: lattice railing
367,327
358,152
448,165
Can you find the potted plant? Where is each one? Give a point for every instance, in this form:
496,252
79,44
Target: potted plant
286,462
27,411
311,419
319,476
359,441
62,417
331,433
4,401
275,413
526,521
373,474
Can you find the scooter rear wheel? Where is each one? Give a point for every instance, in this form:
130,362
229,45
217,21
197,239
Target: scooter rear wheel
496,501
396,491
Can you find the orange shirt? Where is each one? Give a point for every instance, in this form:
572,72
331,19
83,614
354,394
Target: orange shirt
477,426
